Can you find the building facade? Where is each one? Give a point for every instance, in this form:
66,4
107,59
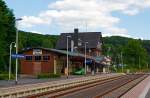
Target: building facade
44,60
37,61
77,41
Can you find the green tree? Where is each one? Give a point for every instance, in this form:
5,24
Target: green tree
134,53
7,33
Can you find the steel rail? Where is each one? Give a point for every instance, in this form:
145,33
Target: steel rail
68,90
132,86
33,89
62,93
117,87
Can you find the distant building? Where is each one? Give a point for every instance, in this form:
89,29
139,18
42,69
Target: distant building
77,42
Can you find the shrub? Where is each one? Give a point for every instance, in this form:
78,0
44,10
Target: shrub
48,75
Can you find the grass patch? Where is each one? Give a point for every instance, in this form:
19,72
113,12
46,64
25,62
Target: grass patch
6,76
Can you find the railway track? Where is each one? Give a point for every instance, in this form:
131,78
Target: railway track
120,91
70,89
113,87
120,87
21,91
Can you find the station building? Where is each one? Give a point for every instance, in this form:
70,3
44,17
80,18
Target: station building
44,60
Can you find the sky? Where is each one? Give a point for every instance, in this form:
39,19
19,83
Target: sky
129,18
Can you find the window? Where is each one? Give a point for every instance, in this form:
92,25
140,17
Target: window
94,54
45,58
28,58
37,58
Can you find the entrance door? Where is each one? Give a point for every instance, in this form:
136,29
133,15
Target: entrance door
37,67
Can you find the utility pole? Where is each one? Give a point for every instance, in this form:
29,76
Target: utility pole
67,57
140,63
85,57
10,59
19,19
147,67
122,62
108,52
86,26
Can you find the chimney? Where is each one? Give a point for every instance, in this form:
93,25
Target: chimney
76,31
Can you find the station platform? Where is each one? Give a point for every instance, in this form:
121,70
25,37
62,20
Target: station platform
23,90
28,81
142,90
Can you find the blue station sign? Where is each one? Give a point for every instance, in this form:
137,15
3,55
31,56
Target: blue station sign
18,56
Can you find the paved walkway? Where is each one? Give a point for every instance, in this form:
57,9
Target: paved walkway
23,81
140,90
10,83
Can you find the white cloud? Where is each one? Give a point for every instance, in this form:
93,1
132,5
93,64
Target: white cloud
30,21
116,34
115,31
110,34
131,12
67,14
36,32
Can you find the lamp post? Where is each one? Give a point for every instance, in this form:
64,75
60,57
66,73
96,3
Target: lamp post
10,47
108,55
147,66
85,57
122,62
18,19
67,57
140,63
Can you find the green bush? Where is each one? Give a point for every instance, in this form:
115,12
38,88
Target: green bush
48,75
133,69
6,76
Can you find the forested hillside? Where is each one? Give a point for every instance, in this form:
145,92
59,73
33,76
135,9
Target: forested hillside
118,41
134,53
28,39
